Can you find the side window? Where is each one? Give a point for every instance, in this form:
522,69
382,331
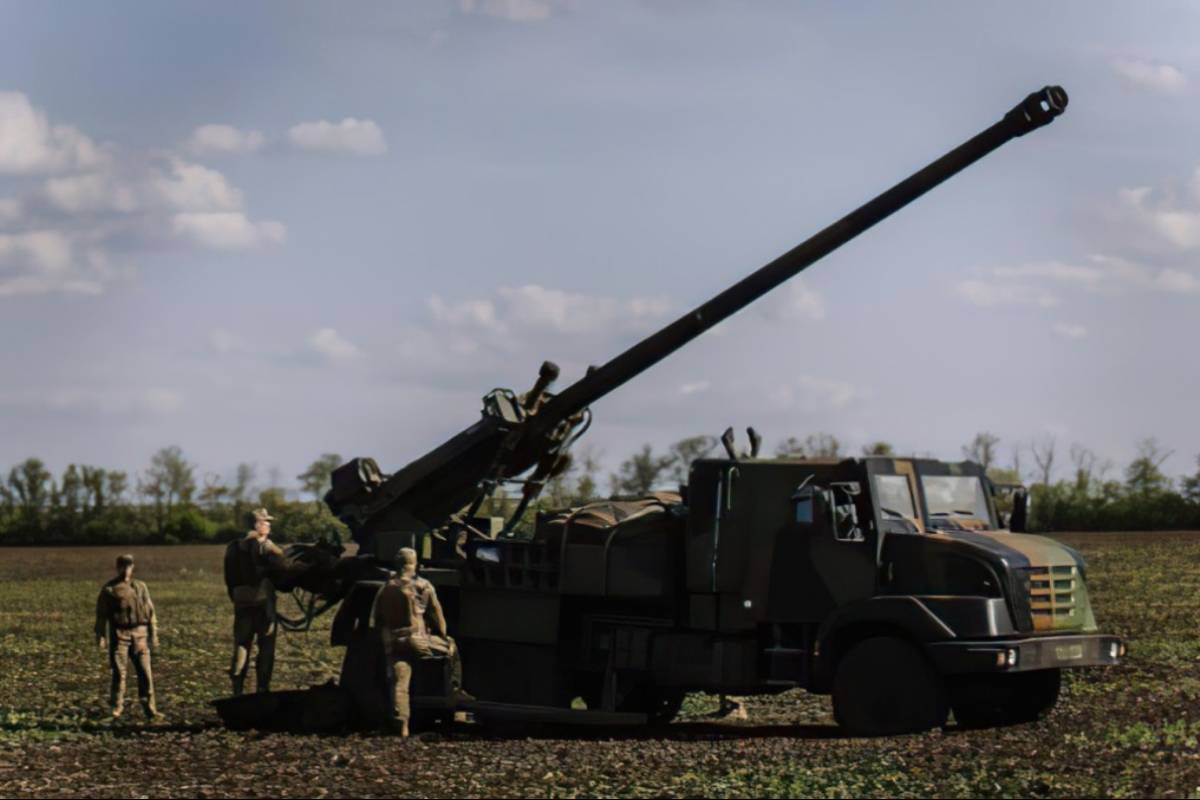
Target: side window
845,513
833,507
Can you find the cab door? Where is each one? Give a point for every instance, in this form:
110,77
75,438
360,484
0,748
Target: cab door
825,556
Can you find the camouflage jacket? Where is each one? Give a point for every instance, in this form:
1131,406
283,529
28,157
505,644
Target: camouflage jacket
428,607
409,605
249,565
124,604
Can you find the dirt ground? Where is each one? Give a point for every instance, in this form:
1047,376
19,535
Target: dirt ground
1128,731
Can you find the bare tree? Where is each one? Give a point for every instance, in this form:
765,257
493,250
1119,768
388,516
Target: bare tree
879,448
315,480
1083,462
1043,456
1144,475
214,492
982,449
639,473
815,445
685,451
170,480
587,464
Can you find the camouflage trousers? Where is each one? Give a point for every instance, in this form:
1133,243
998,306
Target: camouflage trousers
404,652
127,644
253,624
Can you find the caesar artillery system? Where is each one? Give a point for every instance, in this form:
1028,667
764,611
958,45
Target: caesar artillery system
886,582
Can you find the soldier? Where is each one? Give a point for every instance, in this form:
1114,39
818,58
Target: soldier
126,624
248,563
406,610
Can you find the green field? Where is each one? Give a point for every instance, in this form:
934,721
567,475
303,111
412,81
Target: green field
1129,731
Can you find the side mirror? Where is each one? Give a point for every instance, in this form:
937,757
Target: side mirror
1019,518
810,504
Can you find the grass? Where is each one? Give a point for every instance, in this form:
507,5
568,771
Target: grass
1129,731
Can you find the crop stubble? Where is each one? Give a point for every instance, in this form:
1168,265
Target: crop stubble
1128,731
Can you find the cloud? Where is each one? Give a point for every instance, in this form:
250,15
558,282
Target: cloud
534,309
193,187
29,144
351,136
225,342
1026,284
991,293
694,388
78,228
1069,330
10,210
224,140
511,10
100,191
793,302
106,400
332,346
1163,218
811,394
1156,76
226,230
474,313
42,261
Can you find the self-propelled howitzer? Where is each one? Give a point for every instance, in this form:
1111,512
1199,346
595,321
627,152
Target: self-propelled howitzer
531,433
888,583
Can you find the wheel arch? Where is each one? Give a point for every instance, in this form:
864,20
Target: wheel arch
902,617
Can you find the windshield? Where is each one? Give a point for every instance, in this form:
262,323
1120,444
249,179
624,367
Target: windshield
895,496
956,496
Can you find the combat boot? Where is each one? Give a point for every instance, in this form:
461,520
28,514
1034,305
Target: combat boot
239,682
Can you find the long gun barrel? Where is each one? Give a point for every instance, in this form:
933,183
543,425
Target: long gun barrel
515,435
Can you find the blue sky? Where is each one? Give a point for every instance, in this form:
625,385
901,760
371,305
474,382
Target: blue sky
267,232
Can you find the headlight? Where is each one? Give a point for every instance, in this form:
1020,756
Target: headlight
1115,650
1011,657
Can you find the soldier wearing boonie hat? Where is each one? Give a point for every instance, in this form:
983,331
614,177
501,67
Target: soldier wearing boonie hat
127,627
247,563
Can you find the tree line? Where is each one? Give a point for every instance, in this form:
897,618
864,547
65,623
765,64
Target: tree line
1074,490
169,503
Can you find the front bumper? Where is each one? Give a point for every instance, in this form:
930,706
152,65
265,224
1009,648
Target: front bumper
1026,655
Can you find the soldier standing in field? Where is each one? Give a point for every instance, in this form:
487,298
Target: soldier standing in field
249,561
406,611
127,627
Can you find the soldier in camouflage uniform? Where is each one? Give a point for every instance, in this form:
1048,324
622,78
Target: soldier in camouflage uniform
127,626
413,628
249,562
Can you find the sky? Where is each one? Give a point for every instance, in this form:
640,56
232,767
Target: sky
263,232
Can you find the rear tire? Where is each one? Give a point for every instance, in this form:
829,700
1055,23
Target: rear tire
885,686
659,705
986,701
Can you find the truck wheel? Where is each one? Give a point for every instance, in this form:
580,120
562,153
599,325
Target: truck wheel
985,701
660,705
885,685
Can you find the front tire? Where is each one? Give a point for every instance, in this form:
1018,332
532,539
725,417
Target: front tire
885,686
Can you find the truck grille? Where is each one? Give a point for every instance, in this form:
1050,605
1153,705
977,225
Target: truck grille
1052,596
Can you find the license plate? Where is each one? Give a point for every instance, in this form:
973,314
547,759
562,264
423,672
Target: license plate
1068,652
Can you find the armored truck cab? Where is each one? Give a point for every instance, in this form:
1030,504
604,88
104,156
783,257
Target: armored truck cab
884,582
